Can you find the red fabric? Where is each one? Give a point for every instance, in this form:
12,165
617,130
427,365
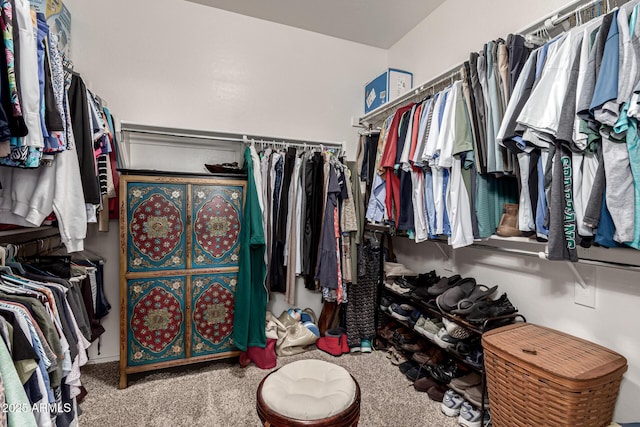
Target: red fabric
264,358
335,346
389,155
414,134
392,200
388,161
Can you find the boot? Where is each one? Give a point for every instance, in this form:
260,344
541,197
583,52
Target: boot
508,226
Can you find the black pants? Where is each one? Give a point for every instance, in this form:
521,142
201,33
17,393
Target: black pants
278,270
406,221
314,189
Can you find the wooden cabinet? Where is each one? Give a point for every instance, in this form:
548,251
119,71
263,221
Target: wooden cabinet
179,249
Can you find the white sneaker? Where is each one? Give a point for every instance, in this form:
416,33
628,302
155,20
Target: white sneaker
451,403
471,417
444,340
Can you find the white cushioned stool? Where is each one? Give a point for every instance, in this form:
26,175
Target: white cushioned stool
309,393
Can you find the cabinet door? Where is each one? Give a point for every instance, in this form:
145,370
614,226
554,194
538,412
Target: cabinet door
156,226
213,303
156,320
216,216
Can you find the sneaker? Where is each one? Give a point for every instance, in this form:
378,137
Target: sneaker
365,346
451,403
354,349
444,340
401,311
403,283
445,371
485,310
419,323
474,396
475,358
459,385
472,417
385,303
456,330
394,287
415,316
416,373
429,328
426,279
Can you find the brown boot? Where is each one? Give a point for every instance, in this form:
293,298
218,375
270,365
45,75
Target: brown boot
508,226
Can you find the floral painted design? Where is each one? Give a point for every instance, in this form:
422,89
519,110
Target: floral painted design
156,319
156,228
217,226
213,312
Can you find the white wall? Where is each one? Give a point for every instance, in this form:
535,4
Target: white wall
178,64
544,291
447,36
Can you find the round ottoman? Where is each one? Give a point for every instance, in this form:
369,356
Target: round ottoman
309,393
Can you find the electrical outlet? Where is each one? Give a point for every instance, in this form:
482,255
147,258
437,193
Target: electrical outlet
586,295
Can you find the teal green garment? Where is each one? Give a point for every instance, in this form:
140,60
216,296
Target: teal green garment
629,126
251,294
14,393
491,195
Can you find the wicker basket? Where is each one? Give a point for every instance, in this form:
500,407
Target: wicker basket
541,377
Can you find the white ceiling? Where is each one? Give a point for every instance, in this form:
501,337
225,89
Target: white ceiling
379,23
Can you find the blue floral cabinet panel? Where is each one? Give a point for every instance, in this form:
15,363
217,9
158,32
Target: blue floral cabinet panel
213,298
156,320
217,217
156,226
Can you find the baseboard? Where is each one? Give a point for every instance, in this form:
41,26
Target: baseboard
98,360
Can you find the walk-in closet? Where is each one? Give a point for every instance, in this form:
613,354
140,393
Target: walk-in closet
298,213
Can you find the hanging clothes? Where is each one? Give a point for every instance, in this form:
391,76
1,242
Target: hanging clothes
251,294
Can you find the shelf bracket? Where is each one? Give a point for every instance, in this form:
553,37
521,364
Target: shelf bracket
443,252
580,279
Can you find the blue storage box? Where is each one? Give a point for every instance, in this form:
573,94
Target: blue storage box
386,87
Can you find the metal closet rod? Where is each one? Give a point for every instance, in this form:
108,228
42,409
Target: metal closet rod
543,255
551,21
134,129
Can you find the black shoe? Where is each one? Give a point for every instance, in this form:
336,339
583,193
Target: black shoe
416,373
444,372
407,366
486,310
404,283
443,284
425,280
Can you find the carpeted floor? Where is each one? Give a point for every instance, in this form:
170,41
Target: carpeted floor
223,394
